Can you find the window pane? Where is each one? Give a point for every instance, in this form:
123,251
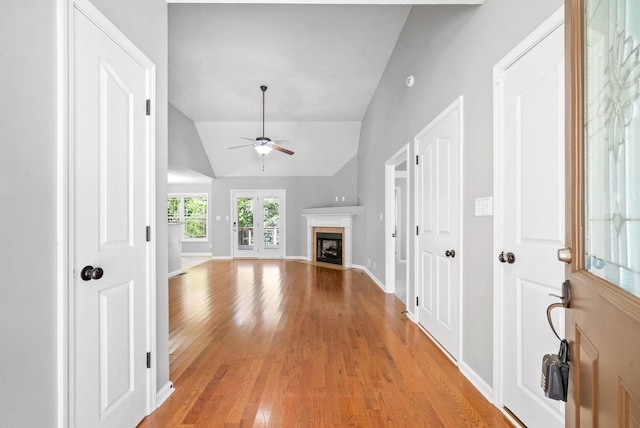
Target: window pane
195,207
612,142
271,230
245,223
195,228
173,207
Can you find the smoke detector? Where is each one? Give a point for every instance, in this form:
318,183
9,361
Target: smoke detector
410,81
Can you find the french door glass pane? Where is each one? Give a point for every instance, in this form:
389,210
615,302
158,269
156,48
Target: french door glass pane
245,223
271,223
612,141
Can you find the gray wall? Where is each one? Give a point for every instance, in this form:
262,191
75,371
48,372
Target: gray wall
196,247
28,243
302,192
451,51
185,147
28,194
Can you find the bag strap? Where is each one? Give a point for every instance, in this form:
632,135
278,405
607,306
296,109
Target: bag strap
563,353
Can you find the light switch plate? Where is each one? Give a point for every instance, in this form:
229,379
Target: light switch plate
484,206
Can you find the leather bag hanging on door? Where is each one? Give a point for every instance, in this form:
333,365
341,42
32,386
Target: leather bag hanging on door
555,367
555,373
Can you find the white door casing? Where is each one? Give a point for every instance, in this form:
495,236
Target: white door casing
529,194
390,219
438,179
107,181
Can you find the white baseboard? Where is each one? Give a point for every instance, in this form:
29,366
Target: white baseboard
372,276
296,258
196,254
176,272
164,393
475,379
221,258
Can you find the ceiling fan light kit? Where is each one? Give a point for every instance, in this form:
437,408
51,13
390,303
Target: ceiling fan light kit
263,145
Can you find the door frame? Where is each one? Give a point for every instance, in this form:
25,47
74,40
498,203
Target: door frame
539,34
390,165
65,216
260,194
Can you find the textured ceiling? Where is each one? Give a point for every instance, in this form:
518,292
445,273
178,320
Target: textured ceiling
322,64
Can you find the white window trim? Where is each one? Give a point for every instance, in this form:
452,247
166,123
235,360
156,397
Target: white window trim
182,218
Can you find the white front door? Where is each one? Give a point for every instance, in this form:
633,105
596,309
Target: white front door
110,146
258,227
530,216
438,178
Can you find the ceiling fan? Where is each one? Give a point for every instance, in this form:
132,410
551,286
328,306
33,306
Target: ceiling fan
264,145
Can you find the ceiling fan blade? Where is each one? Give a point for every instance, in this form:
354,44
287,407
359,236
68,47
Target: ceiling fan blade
244,145
247,138
281,141
282,149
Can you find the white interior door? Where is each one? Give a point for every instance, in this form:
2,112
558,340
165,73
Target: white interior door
530,216
111,140
438,178
259,225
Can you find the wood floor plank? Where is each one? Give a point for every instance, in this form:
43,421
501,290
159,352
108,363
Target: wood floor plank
288,344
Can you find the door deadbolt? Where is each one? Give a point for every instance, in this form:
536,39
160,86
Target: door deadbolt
507,258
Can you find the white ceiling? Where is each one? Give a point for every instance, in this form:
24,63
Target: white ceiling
322,64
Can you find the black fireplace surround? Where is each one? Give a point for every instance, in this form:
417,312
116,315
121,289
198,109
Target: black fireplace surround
329,247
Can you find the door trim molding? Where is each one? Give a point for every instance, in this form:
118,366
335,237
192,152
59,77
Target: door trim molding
65,217
531,41
390,165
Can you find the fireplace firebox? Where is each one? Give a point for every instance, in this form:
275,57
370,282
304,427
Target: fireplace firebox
329,247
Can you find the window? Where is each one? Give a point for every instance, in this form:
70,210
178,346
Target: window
190,209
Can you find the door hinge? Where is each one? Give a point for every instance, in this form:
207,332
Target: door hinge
417,301
417,159
148,107
148,360
417,230
148,233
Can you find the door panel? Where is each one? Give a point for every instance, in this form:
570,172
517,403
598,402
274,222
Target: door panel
110,149
437,201
529,220
603,322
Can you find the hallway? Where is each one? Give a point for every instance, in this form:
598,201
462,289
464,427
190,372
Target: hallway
287,344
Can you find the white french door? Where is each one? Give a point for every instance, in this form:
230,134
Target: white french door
259,224
438,180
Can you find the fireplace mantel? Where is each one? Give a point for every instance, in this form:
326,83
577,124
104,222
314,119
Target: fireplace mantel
331,217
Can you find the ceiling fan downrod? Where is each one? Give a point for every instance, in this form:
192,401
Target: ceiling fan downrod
264,89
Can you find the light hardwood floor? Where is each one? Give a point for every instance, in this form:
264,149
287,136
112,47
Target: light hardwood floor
289,344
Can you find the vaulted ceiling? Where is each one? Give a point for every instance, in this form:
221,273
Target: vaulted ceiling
321,63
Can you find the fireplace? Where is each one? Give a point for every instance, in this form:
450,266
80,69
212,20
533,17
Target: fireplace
331,220
329,247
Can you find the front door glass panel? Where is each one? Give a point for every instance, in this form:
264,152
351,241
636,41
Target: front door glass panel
612,141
